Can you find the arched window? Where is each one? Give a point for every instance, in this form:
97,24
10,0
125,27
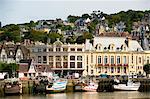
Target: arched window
105,60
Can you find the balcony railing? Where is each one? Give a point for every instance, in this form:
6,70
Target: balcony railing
125,64
100,64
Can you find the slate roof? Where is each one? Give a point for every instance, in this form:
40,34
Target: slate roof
116,41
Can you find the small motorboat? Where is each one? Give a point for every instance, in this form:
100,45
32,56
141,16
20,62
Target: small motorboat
58,86
92,87
130,86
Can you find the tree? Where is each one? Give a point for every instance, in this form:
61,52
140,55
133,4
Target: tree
72,19
146,68
54,36
85,16
10,68
81,39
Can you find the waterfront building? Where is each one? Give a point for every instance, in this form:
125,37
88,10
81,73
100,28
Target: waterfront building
63,59
105,55
13,53
115,56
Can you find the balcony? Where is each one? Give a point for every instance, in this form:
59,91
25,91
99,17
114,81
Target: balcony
125,64
106,64
113,64
100,64
119,64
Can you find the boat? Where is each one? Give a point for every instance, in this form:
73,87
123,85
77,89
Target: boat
11,88
79,86
92,87
57,87
129,86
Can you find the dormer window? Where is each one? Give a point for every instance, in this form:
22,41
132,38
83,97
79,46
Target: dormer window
11,53
105,48
98,47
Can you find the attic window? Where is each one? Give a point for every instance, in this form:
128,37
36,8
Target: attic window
118,48
105,48
11,53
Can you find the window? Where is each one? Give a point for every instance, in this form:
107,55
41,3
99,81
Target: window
132,59
44,49
58,49
58,65
39,50
50,49
99,60
72,49
140,60
112,59
148,60
79,58
91,58
118,59
65,58
105,69
44,59
51,64
39,59
79,49
125,70
65,64
72,64
50,58
65,49
58,58
99,69
92,71
72,57
11,53
118,69
87,59
124,60
105,60
112,69
79,64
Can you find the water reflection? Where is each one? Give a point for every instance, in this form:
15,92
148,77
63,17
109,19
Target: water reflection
86,95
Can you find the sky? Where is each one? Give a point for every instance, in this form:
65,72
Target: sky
21,11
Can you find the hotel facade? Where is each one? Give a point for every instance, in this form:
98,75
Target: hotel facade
106,55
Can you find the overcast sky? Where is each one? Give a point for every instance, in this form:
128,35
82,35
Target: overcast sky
20,11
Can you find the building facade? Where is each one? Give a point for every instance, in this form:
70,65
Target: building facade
13,53
106,55
63,59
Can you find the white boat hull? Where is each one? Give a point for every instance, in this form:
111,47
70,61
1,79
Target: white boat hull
90,88
125,87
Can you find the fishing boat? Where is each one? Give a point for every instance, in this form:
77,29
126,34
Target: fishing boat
58,86
129,86
78,87
92,87
12,87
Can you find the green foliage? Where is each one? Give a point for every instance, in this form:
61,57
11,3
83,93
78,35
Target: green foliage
85,16
72,19
146,68
35,35
10,68
11,33
81,39
70,40
54,36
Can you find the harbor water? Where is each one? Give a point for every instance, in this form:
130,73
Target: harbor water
87,95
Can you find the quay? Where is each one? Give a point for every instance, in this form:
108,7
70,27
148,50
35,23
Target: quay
104,85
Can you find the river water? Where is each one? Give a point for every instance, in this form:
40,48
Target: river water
87,95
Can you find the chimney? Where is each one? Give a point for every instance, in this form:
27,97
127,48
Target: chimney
127,41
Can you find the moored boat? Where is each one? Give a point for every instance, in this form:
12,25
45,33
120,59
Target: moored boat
92,87
58,86
11,88
130,86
